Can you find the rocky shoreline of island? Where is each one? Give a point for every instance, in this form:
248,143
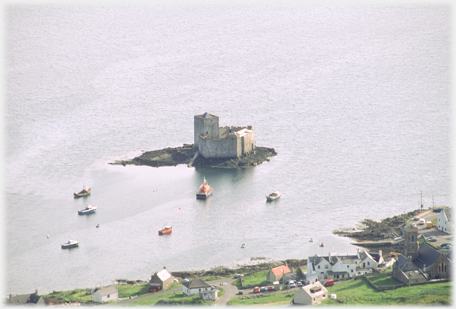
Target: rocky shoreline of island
187,154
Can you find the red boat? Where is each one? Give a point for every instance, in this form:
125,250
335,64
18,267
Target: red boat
166,230
204,191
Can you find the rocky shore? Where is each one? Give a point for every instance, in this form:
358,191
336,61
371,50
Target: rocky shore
173,156
369,230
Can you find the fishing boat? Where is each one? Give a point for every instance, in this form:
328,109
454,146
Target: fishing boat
204,191
311,239
243,246
83,192
70,244
273,196
166,230
322,244
88,210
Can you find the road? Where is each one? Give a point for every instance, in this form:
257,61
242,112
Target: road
426,232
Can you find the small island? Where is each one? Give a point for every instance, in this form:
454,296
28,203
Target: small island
214,146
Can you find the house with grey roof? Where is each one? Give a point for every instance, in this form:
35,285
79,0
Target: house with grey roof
199,287
444,223
160,280
422,265
106,294
26,299
340,266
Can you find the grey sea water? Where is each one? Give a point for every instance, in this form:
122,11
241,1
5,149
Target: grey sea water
354,99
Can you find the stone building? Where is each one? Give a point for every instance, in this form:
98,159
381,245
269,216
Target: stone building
420,263
221,142
277,273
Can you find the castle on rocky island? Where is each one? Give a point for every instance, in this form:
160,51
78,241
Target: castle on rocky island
221,142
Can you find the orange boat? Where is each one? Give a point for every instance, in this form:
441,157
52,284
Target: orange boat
204,191
166,230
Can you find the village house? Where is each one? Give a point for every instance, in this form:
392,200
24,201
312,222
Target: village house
420,264
201,288
105,294
160,280
310,294
278,273
444,220
26,299
338,266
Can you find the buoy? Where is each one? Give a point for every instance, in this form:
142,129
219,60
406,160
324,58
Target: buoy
47,236
179,208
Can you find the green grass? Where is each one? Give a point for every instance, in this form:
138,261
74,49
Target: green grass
79,295
253,280
132,290
359,292
177,298
267,299
383,279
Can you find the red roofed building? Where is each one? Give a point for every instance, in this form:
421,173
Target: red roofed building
277,273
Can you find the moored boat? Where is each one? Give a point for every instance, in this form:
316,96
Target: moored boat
322,244
273,195
204,191
243,246
70,244
311,239
166,230
88,210
83,192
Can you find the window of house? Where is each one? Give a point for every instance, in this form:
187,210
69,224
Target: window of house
326,266
352,270
348,266
368,263
108,296
318,266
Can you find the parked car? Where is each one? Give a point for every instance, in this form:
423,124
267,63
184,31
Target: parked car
421,222
240,292
237,276
262,289
292,284
270,288
416,219
445,246
299,284
437,209
329,282
431,239
256,290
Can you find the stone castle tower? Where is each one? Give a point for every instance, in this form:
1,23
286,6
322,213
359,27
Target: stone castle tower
411,247
213,141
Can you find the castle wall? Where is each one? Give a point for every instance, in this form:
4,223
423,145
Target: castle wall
219,148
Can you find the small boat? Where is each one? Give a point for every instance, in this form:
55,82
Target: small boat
98,225
204,191
243,246
83,192
70,244
322,244
311,239
274,195
88,210
166,230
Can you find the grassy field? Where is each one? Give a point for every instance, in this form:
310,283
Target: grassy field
358,292
268,299
176,298
79,295
253,280
383,279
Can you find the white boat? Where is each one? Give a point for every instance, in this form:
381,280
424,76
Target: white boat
70,244
311,239
243,246
322,244
88,210
273,196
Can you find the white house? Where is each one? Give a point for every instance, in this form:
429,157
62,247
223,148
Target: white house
106,294
338,266
310,294
201,288
444,221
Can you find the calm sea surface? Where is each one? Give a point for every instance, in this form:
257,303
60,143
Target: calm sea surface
354,99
